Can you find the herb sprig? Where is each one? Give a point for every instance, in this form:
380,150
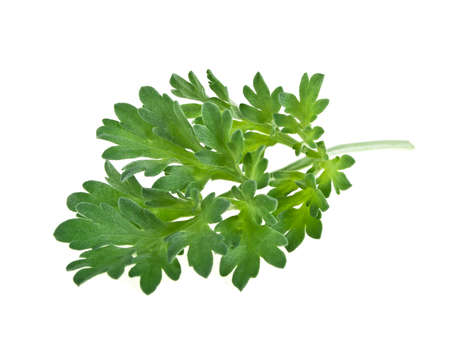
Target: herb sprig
120,223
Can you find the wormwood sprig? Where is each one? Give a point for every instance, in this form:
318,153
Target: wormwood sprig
120,223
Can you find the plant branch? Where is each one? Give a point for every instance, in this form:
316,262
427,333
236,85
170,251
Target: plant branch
352,147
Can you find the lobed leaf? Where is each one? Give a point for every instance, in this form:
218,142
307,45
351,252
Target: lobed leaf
307,108
294,223
255,241
219,89
168,118
255,165
149,167
331,174
199,237
191,89
263,103
109,259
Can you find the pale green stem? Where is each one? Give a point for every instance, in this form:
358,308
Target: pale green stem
374,145
352,147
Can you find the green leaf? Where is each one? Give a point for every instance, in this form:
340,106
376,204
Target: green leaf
289,123
191,89
319,106
135,137
178,178
310,135
331,174
310,195
75,198
205,136
266,202
165,206
100,193
311,90
103,228
192,110
254,140
236,145
255,241
255,165
284,183
199,236
290,103
295,222
109,259
255,207
150,274
168,118
133,140
212,158
131,121
148,268
150,167
244,261
160,198
248,189
219,89
100,225
215,132
140,216
213,208
264,104
307,108
315,198
129,187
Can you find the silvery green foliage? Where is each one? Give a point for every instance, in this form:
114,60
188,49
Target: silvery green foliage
120,223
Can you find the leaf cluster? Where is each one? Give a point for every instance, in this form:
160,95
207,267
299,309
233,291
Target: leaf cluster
121,225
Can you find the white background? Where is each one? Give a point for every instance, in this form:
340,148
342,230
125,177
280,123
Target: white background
382,265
